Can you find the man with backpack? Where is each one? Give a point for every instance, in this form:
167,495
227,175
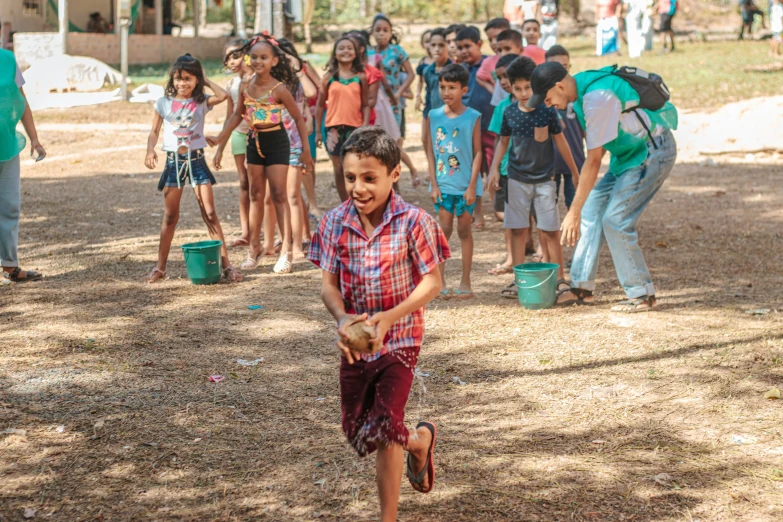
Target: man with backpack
626,112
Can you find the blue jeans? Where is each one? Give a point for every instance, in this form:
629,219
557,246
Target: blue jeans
610,215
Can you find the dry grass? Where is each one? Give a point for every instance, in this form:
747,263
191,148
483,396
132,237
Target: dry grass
565,414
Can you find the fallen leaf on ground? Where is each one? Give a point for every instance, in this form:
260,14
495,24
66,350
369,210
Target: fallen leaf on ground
29,513
99,423
662,244
772,393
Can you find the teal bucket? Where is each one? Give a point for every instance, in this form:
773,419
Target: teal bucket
203,262
536,284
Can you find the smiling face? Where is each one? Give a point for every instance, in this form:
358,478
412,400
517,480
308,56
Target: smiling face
508,47
531,32
451,93
557,97
184,83
382,32
262,58
369,183
235,57
522,91
469,51
345,51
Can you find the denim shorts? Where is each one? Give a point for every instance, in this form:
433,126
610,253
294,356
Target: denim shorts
196,170
454,204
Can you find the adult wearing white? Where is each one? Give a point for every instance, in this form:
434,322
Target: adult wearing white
638,23
13,107
517,11
642,154
549,26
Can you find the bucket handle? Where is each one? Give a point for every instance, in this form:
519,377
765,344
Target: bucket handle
516,281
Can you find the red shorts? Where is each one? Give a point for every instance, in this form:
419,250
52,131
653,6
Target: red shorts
488,149
373,396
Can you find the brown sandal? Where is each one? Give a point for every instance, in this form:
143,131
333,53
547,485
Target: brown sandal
29,275
636,305
581,296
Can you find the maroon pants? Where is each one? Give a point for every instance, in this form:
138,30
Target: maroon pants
373,397
487,149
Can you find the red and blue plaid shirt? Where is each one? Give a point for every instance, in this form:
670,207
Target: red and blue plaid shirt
379,272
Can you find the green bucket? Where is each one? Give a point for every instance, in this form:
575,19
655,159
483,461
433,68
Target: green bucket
203,262
536,284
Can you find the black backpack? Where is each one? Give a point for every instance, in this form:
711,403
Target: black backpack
653,92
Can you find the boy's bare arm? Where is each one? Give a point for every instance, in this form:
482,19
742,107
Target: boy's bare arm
500,153
490,86
470,194
565,151
333,299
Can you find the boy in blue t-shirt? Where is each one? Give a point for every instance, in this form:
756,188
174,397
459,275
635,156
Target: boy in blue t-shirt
453,147
494,126
478,98
574,134
533,135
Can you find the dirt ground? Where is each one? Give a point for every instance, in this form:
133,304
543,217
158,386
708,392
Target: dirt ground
107,412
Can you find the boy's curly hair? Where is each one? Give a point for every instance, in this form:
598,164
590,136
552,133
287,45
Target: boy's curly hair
186,63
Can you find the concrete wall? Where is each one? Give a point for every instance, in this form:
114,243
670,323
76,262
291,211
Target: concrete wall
11,11
142,48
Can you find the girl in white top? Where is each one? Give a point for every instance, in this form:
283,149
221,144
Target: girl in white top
181,113
235,61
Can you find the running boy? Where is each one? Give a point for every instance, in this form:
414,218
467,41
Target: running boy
453,147
478,98
379,260
573,132
533,134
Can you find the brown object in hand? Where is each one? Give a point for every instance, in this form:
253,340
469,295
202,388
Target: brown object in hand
358,335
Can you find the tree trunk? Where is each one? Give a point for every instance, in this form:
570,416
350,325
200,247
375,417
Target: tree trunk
202,14
363,8
309,7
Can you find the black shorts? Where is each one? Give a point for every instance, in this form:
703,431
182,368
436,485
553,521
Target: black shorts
501,195
666,22
268,147
336,137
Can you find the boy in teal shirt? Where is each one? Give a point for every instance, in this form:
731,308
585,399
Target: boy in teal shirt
494,126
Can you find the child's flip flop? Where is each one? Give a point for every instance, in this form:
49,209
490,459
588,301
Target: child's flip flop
417,479
463,294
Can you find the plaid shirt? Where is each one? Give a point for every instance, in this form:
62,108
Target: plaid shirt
379,272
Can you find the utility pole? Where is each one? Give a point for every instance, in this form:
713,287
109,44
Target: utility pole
239,21
278,19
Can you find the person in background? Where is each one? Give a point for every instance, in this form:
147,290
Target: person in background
667,9
451,41
486,72
776,23
13,107
426,36
550,10
607,28
97,24
531,33
749,11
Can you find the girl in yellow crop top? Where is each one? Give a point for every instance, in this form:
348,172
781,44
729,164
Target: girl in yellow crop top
262,100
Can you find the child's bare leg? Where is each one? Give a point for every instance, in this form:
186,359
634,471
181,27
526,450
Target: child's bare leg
407,160
171,199
339,177
257,181
270,223
306,234
466,244
278,178
309,184
553,249
389,465
446,220
295,204
508,261
244,197
478,213
388,473
518,240
206,203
